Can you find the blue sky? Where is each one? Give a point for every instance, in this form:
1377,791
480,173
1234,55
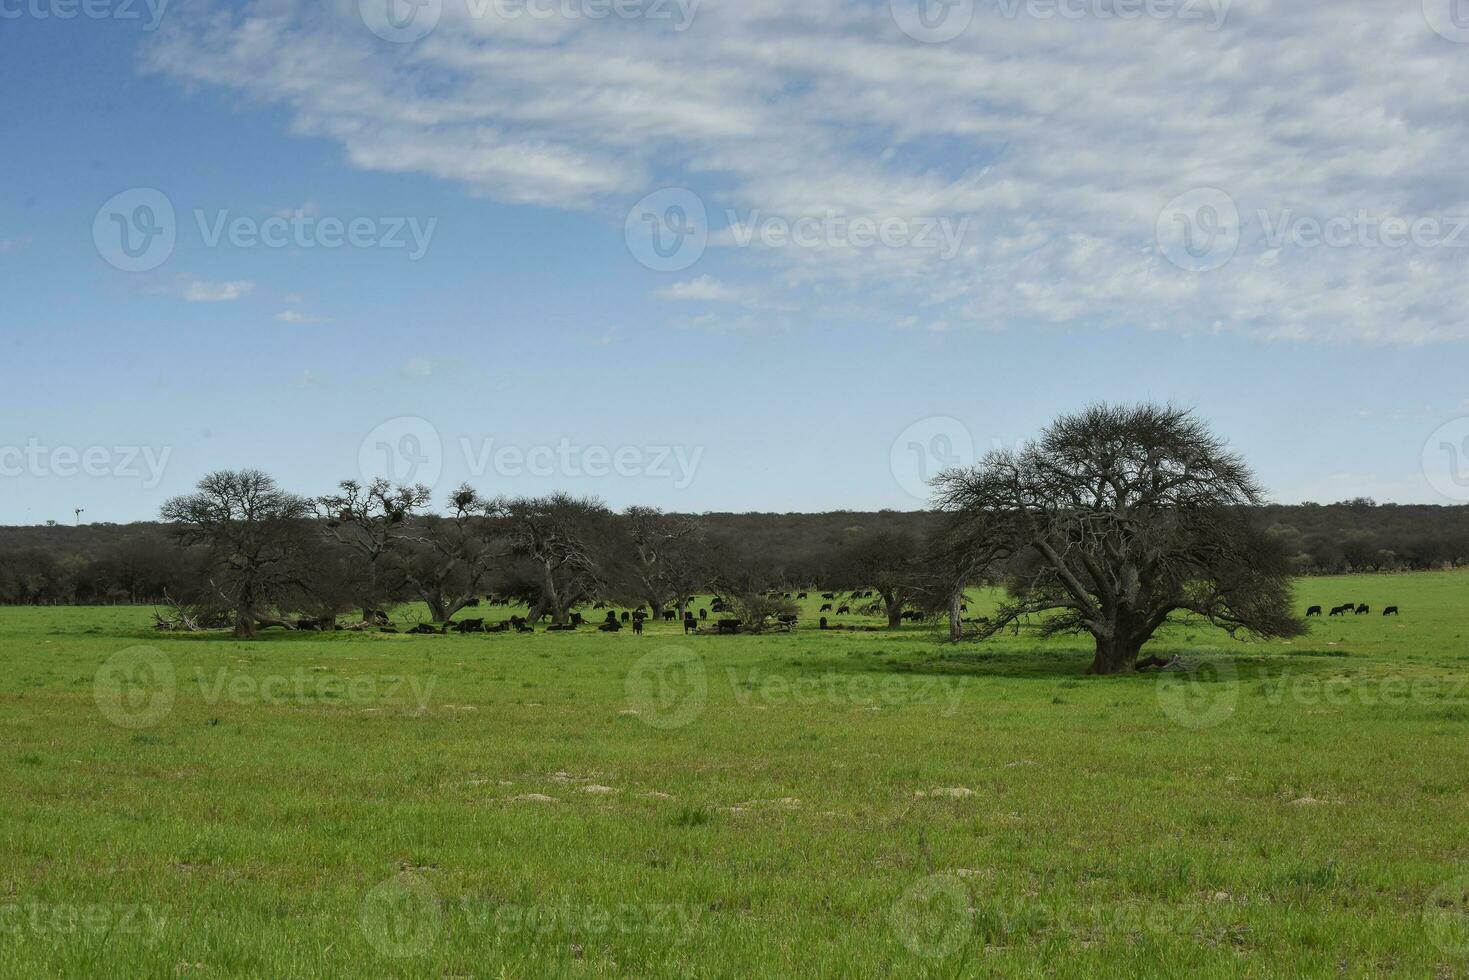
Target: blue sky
531,346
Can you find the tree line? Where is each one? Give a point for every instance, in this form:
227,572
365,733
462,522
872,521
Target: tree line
141,563
1115,521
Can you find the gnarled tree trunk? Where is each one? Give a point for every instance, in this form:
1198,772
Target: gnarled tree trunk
1116,654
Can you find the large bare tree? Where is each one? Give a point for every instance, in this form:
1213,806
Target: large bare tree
253,536
562,543
373,520
454,557
665,559
1115,520
888,562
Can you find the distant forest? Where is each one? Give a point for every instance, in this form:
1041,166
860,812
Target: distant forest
141,563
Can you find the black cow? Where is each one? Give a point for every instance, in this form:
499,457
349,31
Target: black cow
1339,610
637,625
470,626
423,629
1314,611
703,614
627,617
729,627
826,607
1390,611
1362,610
844,611
824,623
828,595
611,626
670,615
690,625
801,595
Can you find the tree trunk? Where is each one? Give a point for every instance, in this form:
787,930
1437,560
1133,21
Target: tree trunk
1116,655
956,621
244,623
895,611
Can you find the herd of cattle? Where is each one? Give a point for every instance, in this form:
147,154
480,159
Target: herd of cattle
614,622
1355,608
635,618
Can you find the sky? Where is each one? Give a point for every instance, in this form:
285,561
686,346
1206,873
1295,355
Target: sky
729,255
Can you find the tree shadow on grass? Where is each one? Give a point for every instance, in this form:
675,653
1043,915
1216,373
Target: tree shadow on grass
1032,663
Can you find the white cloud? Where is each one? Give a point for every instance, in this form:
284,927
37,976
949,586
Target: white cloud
703,289
293,316
199,291
1060,140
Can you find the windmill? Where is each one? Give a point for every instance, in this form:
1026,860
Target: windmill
79,512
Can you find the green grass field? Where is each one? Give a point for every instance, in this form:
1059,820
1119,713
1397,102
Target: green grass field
832,804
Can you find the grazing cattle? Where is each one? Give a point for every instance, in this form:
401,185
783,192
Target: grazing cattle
963,608
690,625
525,628
729,627
473,603
576,619
826,607
703,614
787,620
828,595
386,629
638,615
717,606
670,615
1314,611
824,623
1339,610
844,611
600,605
470,626
801,596
627,617
611,626
1390,611
637,625
423,629
1362,610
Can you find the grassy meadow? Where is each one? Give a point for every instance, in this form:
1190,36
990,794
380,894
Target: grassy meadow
855,804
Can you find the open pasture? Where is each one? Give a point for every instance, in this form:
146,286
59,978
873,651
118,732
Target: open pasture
837,804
